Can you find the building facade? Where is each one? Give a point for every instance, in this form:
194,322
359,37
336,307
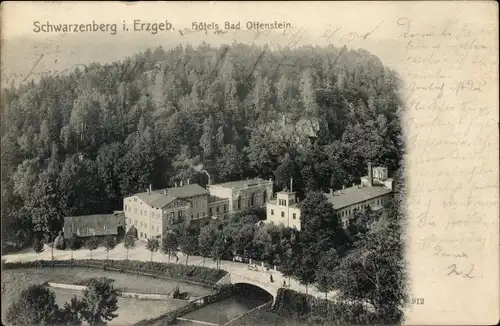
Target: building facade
284,210
152,213
374,191
95,225
243,194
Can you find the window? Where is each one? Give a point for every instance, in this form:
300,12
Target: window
145,225
225,208
141,235
282,214
145,235
294,216
217,209
272,211
125,206
135,200
210,209
157,228
197,215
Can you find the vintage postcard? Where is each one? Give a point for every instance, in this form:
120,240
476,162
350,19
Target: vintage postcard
250,163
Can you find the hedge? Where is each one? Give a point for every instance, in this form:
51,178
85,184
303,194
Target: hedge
310,310
193,274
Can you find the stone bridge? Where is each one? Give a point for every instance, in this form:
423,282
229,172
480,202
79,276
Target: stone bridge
266,285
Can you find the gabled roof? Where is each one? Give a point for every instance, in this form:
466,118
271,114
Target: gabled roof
354,195
241,183
158,198
212,199
155,199
187,191
96,222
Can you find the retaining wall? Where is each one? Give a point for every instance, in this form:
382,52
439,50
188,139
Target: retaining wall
171,316
134,295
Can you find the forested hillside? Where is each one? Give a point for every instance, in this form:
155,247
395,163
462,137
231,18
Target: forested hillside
76,143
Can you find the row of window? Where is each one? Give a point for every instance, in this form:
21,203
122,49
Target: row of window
282,202
294,215
155,215
217,209
142,224
348,212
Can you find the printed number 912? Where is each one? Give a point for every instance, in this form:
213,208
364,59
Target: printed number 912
417,301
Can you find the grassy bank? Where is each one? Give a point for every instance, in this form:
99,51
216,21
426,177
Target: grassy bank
195,274
130,310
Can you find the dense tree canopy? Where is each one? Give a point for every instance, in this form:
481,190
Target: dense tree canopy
106,131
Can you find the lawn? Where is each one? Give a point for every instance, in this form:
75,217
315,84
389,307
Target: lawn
123,281
14,280
130,311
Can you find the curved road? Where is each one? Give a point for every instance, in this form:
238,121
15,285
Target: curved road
239,270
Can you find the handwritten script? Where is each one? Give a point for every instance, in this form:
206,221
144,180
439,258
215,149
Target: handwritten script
451,132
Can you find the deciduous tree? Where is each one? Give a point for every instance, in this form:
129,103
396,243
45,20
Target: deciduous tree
128,242
92,244
109,244
152,245
99,302
170,243
35,306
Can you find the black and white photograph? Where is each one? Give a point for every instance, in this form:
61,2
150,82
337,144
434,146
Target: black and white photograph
221,164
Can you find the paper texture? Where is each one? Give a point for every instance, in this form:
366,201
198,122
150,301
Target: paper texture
447,55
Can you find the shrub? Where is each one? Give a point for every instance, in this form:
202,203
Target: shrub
73,242
36,306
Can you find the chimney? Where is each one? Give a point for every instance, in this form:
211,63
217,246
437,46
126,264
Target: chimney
187,181
343,187
291,184
331,192
353,185
370,174
176,184
150,188
180,184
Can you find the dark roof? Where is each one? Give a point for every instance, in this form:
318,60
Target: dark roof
354,195
241,183
158,198
187,191
95,222
212,199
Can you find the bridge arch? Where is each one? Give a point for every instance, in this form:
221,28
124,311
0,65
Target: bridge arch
254,288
